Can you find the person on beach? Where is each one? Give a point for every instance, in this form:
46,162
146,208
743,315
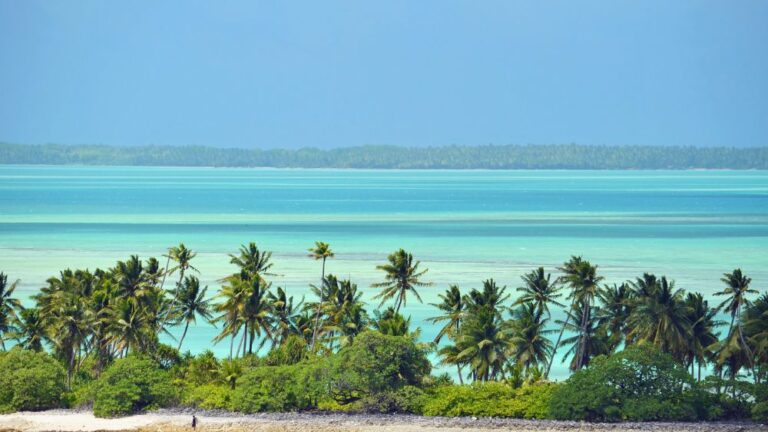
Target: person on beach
194,421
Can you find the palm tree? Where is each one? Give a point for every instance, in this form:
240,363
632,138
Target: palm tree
191,304
737,288
230,309
449,354
305,324
354,322
100,302
131,277
730,358
703,323
539,290
128,328
660,316
589,341
390,322
755,319
401,277
230,371
321,251
244,301
528,344
483,345
252,262
284,316
452,306
182,258
30,330
581,277
345,311
492,298
68,320
614,310
153,271
257,313
8,307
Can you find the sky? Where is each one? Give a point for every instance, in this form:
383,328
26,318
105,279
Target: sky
327,74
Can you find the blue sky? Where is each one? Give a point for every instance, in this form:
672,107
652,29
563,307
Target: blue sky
329,73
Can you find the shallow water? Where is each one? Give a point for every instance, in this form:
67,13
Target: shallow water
465,226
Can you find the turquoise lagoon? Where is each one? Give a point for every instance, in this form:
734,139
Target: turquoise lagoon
465,226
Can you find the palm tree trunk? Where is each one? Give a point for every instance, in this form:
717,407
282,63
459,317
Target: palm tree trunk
70,370
583,337
557,344
2,343
182,335
231,345
399,302
749,353
175,294
165,272
461,379
242,340
319,305
251,339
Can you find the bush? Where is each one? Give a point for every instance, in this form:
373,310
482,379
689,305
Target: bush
30,381
209,396
199,370
130,385
293,351
529,401
271,388
408,399
719,399
640,383
760,412
374,365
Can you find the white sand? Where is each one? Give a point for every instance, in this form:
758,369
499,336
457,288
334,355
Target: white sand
81,421
74,421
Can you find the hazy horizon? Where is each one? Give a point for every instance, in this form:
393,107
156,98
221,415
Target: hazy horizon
344,74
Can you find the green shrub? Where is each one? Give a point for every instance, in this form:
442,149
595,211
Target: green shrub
650,409
333,406
209,396
165,355
375,364
719,399
529,401
199,370
271,388
643,383
760,412
30,381
293,351
130,385
408,399
533,400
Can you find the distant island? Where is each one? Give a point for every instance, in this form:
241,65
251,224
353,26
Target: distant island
558,156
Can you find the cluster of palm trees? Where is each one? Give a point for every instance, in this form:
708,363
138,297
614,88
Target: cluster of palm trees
600,319
252,314
106,314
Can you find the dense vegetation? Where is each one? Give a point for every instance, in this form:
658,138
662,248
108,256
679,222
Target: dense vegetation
640,349
570,156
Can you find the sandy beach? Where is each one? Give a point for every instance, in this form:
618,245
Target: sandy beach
175,420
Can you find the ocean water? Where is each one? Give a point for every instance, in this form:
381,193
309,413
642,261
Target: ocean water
464,226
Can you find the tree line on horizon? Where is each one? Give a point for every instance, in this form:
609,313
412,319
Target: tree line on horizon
104,315
556,156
